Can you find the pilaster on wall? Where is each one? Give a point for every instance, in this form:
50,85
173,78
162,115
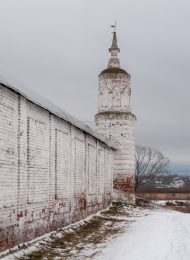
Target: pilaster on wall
8,162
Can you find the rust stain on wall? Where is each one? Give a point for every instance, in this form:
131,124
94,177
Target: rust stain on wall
125,184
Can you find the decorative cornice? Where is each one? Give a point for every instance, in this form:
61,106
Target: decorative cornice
116,113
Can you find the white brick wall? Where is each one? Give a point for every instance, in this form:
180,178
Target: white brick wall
8,147
62,164
51,172
91,170
100,170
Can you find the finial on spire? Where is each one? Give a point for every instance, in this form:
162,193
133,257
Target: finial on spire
114,61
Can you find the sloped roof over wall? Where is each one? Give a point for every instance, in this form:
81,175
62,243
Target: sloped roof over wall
54,109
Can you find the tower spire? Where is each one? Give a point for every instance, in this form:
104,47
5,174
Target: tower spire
114,50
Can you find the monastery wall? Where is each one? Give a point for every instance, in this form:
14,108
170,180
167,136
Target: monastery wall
51,172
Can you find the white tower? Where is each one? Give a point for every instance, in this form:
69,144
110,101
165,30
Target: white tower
115,120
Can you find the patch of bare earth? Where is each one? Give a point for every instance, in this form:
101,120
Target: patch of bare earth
85,239
181,206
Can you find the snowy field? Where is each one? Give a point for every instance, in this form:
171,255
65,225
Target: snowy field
162,235
118,233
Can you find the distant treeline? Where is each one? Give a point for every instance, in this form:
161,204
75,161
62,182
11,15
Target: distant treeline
167,184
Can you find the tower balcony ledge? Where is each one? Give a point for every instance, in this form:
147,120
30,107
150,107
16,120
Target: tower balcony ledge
113,114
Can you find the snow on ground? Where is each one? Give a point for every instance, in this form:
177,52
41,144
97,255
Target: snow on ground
162,235
83,240
174,202
122,233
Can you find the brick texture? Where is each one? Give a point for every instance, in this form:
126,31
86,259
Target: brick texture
116,121
51,172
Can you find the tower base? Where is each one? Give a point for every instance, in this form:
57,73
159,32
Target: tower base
123,190
124,197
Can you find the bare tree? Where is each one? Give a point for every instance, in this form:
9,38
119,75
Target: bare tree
149,164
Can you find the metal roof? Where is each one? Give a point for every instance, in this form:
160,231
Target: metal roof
115,70
54,109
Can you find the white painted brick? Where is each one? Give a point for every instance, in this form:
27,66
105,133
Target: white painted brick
115,120
51,172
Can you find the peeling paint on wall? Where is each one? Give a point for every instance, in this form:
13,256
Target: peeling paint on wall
52,173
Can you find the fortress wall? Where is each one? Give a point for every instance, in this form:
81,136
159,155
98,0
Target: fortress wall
51,172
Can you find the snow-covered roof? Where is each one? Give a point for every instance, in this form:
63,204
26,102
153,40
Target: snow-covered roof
54,109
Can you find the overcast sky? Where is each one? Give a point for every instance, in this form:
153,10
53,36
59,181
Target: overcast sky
58,48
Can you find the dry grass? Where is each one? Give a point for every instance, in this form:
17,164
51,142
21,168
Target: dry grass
67,244
184,209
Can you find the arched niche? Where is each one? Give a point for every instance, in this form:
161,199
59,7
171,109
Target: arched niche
104,97
125,98
116,97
